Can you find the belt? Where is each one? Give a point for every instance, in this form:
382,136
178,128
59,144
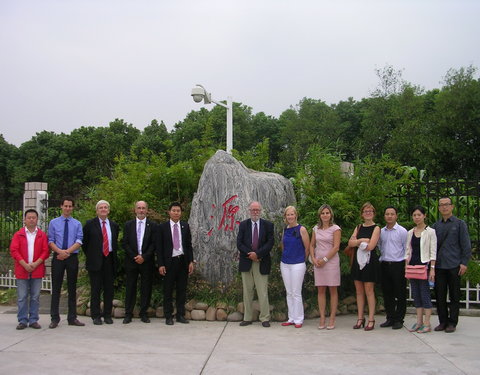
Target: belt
391,263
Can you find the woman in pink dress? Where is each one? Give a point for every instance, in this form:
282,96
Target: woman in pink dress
324,247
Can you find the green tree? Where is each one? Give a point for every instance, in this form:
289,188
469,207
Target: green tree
456,136
154,137
8,158
313,122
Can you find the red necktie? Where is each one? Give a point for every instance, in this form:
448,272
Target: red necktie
105,239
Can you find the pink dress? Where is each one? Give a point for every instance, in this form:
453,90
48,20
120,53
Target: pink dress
329,274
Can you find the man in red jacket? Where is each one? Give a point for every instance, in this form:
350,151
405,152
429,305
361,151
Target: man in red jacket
29,249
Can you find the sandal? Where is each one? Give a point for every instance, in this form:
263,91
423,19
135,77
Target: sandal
424,328
416,327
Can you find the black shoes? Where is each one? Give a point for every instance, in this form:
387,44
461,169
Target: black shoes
181,319
145,319
397,325
450,328
127,320
266,324
245,323
387,323
97,321
108,320
169,321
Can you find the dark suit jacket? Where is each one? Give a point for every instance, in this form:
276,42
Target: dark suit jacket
130,243
265,244
165,244
93,244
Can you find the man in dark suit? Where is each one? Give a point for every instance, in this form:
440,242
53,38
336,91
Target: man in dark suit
138,243
254,241
175,261
100,244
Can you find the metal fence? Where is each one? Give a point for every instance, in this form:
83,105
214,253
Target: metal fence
470,295
10,221
465,196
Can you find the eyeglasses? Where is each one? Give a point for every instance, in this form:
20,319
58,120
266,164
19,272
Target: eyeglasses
255,210
444,204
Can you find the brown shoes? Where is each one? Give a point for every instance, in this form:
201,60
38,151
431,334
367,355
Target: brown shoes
21,326
75,322
35,325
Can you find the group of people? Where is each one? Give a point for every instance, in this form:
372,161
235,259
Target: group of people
443,247
167,247
381,255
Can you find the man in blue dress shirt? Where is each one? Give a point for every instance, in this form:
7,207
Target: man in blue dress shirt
65,237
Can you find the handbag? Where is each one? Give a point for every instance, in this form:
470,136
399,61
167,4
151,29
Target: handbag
416,272
349,251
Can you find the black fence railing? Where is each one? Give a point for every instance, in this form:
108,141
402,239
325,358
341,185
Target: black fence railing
465,196
10,221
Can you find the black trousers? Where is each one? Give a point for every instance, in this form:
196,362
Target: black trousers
145,271
394,287
58,271
447,280
102,280
176,277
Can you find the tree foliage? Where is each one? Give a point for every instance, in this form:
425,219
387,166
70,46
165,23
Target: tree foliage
436,130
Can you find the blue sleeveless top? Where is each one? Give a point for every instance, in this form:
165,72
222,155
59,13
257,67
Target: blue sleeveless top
293,249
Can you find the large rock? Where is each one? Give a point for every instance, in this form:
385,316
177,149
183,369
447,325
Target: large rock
198,314
221,315
235,317
211,314
224,192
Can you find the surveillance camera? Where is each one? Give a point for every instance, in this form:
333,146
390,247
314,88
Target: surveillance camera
198,94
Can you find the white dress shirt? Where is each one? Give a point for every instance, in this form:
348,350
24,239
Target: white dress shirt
31,243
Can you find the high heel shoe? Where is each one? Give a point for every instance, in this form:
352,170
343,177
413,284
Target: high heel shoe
331,326
360,323
369,327
322,324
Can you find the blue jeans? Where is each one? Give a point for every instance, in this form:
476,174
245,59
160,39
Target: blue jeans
28,300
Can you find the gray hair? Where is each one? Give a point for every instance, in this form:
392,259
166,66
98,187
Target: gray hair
102,201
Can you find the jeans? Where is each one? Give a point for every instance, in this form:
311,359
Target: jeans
28,300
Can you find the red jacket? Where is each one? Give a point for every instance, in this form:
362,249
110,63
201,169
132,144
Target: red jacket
19,251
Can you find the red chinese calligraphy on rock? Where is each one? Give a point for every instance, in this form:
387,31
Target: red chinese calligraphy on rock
227,222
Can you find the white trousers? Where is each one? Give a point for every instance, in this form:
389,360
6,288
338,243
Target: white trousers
293,275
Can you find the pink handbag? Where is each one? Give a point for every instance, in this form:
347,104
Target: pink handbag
416,272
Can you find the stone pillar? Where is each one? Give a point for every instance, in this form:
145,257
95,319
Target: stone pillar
35,196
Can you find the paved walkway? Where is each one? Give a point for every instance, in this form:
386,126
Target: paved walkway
227,348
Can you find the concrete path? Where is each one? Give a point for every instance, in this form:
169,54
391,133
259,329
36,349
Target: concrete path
226,348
